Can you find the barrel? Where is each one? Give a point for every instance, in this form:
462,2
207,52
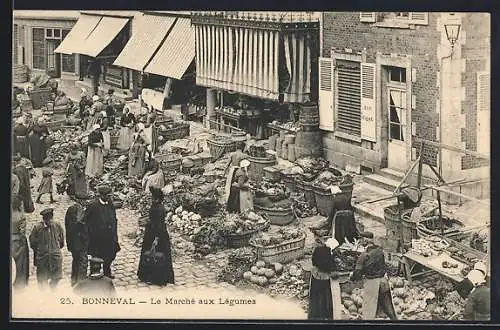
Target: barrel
309,115
392,223
272,142
257,165
308,144
19,73
409,228
291,152
239,136
290,139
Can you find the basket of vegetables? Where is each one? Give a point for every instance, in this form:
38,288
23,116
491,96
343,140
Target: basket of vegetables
173,131
286,245
243,227
280,214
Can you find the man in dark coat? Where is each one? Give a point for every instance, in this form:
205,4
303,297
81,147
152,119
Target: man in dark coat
96,282
100,217
23,175
477,305
77,242
47,240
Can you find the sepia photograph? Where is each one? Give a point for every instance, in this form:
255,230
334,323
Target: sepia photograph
250,165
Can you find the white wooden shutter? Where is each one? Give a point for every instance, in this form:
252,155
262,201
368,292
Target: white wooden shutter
325,95
368,112
368,16
418,18
483,112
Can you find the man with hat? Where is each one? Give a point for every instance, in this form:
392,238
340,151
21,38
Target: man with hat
100,217
377,292
96,282
24,191
47,240
477,305
77,242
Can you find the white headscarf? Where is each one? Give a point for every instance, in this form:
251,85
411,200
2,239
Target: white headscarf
476,277
480,266
245,163
95,98
332,243
20,121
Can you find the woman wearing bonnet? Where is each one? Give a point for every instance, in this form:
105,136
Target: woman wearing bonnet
95,158
324,288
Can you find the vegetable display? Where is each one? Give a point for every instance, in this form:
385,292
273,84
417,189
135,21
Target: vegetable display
284,234
184,221
239,261
243,223
263,274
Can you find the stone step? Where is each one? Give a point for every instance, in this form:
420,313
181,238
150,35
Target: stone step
392,174
380,181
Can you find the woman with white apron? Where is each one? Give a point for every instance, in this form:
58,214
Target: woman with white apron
105,129
95,161
324,289
242,183
127,123
377,292
234,163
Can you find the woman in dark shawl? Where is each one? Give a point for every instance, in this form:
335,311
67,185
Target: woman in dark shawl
20,250
21,145
23,175
38,142
324,292
156,233
137,157
95,158
75,169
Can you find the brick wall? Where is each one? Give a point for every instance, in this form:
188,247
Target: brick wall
476,51
344,30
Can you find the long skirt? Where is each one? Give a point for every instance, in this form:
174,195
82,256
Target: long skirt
125,138
38,150
78,183
322,303
136,168
107,140
229,182
95,162
246,200
233,202
20,253
151,138
22,146
45,185
377,296
160,276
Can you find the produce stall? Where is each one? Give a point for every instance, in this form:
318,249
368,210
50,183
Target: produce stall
229,117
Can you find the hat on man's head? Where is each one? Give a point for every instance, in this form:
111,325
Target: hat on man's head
47,212
480,266
104,190
245,163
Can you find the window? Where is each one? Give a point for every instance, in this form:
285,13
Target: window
397,74
397,114
401,19
68,61
39,49
349,97
57,33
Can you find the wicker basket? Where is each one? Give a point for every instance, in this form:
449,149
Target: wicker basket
40,97
272,173
178,132
282,253
169,161
276,216
114,141
324,200
242,240
220,146
289,181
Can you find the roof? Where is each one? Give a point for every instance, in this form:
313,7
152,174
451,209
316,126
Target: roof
47,14
171,12
123,13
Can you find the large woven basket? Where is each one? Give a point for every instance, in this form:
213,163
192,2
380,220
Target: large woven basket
279,217
219,146
40,97
306,188
178,132
169,161
114,141
242,240
282,253
324,200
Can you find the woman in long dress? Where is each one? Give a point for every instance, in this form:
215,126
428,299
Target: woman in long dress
137,157
240,197
38,147
21,132
235,158
156,233
154,177
150,132
127,123
75,172
20,250
95,158
105,127
324,289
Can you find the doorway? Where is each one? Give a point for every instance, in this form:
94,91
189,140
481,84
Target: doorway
397,114
53,59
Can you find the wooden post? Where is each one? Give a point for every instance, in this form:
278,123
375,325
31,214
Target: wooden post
440,211
420,163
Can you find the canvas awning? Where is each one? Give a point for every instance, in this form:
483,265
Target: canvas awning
92,34
149,33
81,30
176,53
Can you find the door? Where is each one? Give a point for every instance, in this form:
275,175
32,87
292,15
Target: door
396,156
53,59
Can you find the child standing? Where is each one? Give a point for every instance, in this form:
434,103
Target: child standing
45,186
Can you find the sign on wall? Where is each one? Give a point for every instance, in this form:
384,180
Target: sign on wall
368,102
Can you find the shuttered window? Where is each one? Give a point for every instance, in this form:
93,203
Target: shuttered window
15,44
68,60
39,49
348,97
326,93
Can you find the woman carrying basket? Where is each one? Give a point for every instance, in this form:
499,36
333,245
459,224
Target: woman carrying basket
234,163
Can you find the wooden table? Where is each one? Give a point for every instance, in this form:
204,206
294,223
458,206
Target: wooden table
433,263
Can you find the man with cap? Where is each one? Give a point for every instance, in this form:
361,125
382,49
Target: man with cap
377,292
24,191
96,282
77,241
47,240
465,287
100,217
477,304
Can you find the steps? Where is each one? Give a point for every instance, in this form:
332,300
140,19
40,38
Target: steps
383,180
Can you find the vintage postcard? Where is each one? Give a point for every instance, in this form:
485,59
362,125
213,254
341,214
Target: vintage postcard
250,165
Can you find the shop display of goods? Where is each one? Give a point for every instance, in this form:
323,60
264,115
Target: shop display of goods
302,207
449,303
239,261
184,221
465,257
282,235
328,178
423,247
311,165
448,264
288,281
274,190
290,126
257,151
243,223
345,260
479,241
209,236
263,274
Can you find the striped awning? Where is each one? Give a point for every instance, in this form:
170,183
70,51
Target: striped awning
249,61
91,34
149,33
76,37
176,53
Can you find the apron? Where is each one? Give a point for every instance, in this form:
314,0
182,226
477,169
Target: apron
229,181
336,297
107,140
370,298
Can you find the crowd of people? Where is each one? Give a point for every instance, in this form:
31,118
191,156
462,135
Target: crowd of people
90,229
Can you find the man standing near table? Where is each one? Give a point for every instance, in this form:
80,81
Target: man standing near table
477,305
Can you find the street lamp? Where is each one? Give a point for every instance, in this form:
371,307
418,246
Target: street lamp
452,33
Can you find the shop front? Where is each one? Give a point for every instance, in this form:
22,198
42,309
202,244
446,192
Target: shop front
257,68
